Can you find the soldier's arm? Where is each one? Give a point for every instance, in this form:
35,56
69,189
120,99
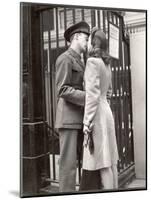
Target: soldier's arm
109,92
64,86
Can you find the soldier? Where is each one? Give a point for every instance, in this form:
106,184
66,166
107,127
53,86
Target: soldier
71,100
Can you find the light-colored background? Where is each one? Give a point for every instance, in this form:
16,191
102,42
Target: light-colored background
138,54
9,100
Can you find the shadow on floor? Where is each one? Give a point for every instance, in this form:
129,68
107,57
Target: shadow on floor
14,193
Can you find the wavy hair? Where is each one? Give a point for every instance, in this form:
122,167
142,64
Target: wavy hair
99,46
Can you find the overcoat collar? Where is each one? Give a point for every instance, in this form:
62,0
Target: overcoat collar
76,56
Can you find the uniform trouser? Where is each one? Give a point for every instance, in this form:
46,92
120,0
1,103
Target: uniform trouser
67,161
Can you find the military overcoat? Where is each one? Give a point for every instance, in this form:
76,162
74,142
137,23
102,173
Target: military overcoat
70,94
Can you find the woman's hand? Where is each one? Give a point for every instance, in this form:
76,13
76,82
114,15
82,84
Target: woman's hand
86,129
88,138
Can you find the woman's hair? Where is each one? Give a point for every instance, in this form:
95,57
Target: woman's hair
99,46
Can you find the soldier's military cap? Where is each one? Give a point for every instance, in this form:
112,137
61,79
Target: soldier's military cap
81,27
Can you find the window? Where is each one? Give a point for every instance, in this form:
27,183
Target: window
48,20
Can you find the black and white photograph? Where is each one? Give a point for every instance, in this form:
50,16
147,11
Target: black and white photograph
82,99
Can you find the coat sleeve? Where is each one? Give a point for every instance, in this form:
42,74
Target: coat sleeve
92,87
64,85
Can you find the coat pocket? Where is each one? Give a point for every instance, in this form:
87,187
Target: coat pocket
73,114
77,75
76,67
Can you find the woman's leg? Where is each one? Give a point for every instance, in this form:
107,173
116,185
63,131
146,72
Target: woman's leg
107,178
115,176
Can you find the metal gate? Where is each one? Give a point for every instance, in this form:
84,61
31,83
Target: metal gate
54,21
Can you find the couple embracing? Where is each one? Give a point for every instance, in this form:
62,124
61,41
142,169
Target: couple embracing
82,104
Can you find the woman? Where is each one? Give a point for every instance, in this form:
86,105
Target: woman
100,152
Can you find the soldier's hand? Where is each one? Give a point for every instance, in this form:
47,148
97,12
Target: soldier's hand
109,94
